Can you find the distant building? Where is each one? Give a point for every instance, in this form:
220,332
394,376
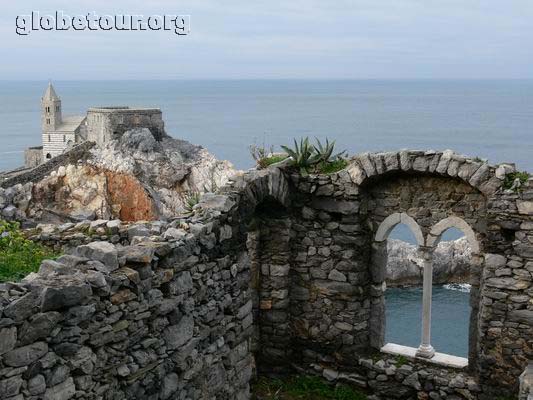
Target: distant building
100,125
59,133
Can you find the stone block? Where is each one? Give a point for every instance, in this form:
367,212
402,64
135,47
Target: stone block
335,206
72,294
104,252
23,356
8,338
525,207
177,335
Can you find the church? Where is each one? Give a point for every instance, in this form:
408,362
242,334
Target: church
59,133
99,125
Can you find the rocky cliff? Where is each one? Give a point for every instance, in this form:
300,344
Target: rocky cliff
451,263
135,177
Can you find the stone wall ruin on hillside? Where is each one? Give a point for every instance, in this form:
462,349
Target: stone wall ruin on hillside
185,307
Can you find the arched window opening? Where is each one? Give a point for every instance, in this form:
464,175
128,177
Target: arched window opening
442,262
48,156
403,295
451,294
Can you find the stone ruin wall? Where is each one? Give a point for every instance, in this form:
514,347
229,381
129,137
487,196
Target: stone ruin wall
107,123
166,318
277,270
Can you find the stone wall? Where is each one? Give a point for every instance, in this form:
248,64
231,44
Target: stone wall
285,270
108,123
72,156
166,318
33,156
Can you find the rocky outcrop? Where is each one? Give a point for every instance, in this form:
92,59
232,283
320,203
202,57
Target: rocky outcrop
451,263
135,177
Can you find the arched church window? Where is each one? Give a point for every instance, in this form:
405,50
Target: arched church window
48,156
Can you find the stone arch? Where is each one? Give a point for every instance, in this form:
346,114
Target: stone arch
389,223
435,234
477,174
259,206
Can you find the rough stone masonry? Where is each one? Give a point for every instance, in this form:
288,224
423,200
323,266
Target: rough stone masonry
277,272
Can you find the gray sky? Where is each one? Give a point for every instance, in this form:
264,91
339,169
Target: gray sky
357,39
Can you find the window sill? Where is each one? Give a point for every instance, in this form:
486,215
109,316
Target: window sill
441,359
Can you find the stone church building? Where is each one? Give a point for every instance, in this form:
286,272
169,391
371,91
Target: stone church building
99,125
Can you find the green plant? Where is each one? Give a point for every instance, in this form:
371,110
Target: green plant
191,200
18,255
400,360
333,166
324,152
511,177
317,158
304,156
259,153
304,387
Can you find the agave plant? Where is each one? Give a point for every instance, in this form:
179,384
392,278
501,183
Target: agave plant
304,156
324,152
191,200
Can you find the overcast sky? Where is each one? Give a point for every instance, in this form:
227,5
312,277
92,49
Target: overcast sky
354,39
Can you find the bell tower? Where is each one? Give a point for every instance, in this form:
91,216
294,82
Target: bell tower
50,110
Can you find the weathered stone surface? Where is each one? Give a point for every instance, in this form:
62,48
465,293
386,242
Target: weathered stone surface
56,298
63,391
23,356
335,206
8,338
10,387
39,327
179,334
101,251
525,207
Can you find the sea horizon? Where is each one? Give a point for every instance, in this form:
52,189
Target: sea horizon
489,118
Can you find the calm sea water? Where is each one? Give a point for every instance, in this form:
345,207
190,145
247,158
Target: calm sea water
450,318
490,119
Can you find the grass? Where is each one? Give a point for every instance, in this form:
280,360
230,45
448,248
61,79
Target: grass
303,388
18,255
332,166
265,162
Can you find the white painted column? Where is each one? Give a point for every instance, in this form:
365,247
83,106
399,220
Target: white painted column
425,349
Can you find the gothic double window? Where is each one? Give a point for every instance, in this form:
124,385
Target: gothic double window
426,247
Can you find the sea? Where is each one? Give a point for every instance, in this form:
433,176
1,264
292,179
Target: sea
491,119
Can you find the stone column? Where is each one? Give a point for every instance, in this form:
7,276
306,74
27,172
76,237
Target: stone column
425,349
378,273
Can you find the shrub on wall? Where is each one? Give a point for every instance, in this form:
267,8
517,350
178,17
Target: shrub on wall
18,255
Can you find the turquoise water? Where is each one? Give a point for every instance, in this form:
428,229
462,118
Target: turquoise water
490,119
450,318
